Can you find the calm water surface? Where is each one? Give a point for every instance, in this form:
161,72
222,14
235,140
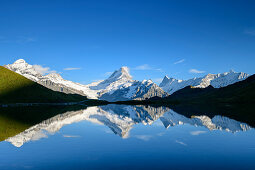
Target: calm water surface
125,137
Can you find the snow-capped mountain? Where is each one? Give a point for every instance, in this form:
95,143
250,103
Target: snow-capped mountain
135,90
25,69
121,119
171,85
52,81
118,87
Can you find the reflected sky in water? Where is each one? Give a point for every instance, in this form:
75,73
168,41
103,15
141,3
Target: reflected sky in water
119,136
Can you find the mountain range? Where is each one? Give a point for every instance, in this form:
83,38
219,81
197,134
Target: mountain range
121,87
118,87
241,92
171,85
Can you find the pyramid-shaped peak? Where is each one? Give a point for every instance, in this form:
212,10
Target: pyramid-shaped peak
166,80
124,69
166,77
122,73
125,72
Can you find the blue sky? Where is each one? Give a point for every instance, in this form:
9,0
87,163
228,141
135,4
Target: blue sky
182,39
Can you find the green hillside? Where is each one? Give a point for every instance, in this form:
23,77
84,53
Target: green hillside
15,88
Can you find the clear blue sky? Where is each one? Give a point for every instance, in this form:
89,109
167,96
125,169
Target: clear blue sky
153,38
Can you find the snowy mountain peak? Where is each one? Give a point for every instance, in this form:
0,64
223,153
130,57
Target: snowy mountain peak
150,81
21,67
122,73
20,61
120,78
147,82
166,77
125,69
166,80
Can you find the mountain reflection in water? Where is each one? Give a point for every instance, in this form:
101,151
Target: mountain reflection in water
122,118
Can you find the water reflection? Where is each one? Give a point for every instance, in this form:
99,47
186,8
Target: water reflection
122,118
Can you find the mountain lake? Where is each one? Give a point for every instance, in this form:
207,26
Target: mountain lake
124,137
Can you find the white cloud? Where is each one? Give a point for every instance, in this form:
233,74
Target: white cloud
72,68
43,70
147,67
71,136
180,61
143,67
180,142
195,133
250,32
143,137
196,71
